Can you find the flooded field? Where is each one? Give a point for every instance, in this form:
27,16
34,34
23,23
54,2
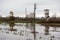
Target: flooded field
25,31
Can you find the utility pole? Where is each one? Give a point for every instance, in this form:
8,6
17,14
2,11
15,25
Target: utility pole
34,32
34,21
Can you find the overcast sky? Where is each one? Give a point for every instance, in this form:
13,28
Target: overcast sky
18,7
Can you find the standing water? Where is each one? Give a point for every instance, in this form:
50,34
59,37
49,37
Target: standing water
24,31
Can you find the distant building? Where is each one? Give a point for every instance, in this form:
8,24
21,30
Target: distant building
11,17
11,13
46,13
31,15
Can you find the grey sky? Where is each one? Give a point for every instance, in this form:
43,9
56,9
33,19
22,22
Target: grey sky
18,7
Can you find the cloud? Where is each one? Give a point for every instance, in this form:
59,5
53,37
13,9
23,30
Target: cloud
18,6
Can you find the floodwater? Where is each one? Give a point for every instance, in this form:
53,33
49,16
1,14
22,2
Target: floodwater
25,31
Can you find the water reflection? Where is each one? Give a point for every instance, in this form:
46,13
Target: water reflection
25,31
31,26
46,30
11,24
